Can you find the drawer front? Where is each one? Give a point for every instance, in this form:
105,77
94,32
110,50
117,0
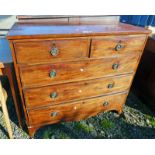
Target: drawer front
41,75
109,46
76,110
75,91
51,50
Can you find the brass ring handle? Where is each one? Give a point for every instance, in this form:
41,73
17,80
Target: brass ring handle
118,47
53,95
54,51
54,114
106,103
110,85
52,74
115,66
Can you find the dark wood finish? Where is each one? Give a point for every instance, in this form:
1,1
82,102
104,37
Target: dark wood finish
40,51
75,91
106,46
83,78
144,83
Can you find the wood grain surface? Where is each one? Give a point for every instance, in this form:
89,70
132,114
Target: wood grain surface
106,46
38,75
76,110
76,91
40,51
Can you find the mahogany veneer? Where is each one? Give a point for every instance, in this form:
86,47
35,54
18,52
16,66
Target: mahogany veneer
76,110
38,75
75,91
71,72
38,51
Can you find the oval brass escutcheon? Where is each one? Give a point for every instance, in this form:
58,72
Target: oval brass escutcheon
54,51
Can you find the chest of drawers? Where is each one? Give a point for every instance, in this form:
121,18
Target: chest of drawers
72,72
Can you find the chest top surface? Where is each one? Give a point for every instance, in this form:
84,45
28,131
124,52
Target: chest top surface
29,31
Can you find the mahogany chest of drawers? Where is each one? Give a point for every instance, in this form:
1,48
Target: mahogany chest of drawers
72,72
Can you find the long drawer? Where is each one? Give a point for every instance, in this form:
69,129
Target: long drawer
61,93
113,45
76,110
37,51
47,74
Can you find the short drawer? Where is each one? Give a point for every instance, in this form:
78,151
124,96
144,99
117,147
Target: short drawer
42,75
61,93
51,50
76,110
113,45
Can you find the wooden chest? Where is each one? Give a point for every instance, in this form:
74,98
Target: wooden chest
72,72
